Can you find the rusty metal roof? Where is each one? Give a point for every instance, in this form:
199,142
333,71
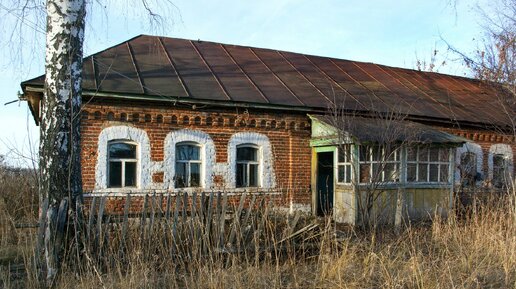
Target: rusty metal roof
387,130
162,67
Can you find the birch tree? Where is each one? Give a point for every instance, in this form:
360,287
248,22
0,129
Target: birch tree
60,188
60,163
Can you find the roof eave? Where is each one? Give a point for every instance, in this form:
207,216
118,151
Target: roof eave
38,88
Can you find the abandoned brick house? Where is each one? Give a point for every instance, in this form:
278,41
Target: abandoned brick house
167,115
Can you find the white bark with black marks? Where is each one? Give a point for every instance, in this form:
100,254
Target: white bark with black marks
60,162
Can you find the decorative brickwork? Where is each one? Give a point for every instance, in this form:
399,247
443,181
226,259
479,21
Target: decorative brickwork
288,135
288,153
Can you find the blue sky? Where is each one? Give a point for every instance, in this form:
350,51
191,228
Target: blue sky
393,33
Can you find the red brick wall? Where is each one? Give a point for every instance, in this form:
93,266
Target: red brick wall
288,133
485,139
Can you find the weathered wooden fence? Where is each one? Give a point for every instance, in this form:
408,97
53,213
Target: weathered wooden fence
188,224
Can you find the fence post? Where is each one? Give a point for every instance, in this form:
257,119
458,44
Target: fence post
91,218
236,220
207,233
125,222
143,217
222,219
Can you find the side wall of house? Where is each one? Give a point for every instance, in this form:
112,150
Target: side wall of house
288,135
484,144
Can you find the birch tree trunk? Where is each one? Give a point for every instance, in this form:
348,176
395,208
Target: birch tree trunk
60,162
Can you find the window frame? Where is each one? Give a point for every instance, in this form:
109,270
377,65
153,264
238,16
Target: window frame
123,161
370,162
188,167
248,164
468,172
346,165
504,168
440,163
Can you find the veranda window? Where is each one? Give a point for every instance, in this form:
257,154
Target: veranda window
247,166
379,164
344,164
428,164
122,164
188,165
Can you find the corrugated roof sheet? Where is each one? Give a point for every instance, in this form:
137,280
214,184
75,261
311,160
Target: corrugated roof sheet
170,67
378,130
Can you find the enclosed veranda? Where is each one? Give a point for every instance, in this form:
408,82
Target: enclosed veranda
376,170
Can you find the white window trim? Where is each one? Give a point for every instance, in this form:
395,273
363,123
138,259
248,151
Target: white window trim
266,176
123,161
471,148
502,149
123,133
207,156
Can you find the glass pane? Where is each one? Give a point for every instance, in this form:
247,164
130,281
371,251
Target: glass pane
343,153
115,175
391,173
434,173
444,155
253,175
423,154
364,153
444,173
411,172
498,161
364,173
195,175
377,173
348,174
498,177
341,174
434,154
188,152
411,154
391,155
181,175
122,150
240,175
422,173
468,164
247,154
130,174
377,153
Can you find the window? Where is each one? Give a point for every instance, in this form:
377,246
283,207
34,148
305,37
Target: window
344,164
247,166
188,165
500,170
379,164
428,164
122,164
250,161
468,168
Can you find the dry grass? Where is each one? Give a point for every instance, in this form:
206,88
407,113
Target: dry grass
478,251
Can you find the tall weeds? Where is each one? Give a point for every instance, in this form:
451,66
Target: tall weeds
476,251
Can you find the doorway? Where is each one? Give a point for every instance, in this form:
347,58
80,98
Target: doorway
324,185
